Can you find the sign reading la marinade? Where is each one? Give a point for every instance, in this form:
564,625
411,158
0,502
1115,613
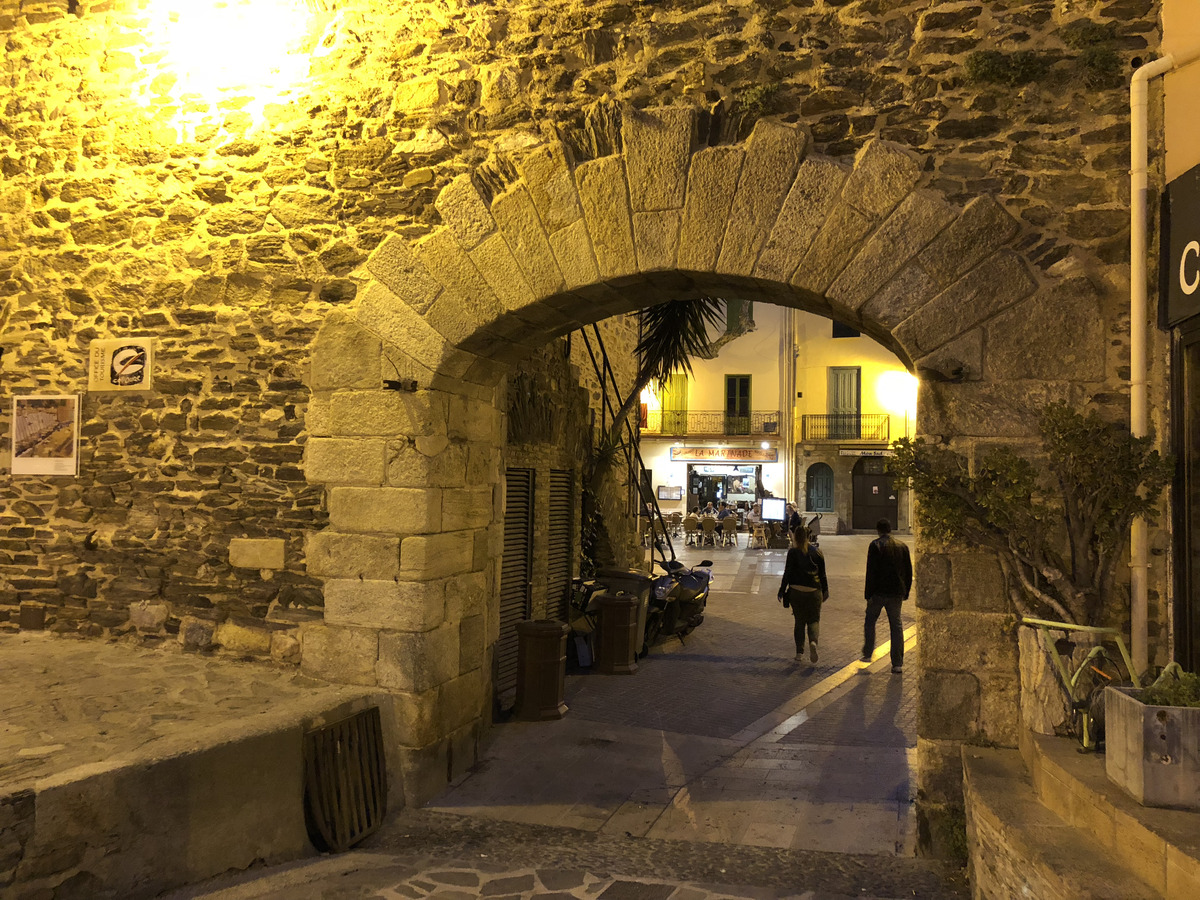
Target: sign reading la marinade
724,454
1181,247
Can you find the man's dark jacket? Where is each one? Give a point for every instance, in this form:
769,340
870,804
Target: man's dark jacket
889,568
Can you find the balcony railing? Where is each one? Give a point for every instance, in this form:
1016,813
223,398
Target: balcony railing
705,422
872,427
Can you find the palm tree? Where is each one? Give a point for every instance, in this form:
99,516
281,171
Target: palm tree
672,333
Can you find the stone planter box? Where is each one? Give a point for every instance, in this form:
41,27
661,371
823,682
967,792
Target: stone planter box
1152,752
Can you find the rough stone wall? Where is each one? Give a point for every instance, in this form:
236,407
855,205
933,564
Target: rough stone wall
229,252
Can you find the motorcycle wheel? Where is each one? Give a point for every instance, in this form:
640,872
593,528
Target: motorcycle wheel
653,629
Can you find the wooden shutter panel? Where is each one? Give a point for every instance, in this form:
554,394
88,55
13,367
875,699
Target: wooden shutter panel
516,573
561,542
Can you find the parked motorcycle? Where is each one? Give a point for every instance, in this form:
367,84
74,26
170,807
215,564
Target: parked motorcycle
677,600
584,618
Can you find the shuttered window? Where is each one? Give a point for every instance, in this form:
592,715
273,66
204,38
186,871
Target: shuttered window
561,542
516,574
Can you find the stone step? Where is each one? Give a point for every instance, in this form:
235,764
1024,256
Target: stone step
1019,848
1161,846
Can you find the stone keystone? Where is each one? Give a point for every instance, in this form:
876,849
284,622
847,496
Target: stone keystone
883,175
548,178
773,154
605,198
658,144
712,182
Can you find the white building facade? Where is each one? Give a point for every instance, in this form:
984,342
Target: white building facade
793,406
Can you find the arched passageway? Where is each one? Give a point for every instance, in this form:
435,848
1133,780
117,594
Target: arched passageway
561,243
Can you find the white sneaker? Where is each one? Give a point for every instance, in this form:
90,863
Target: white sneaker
812,651
800,656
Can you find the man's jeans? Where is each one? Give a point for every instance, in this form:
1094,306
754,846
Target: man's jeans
892,605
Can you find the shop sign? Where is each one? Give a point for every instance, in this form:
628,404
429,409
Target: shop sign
851,451
1181,247
724,454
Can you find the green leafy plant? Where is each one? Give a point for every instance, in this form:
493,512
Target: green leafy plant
672,334
1101,67
1086,33
1059,529
757,100
1012,69
1183,692
1173,688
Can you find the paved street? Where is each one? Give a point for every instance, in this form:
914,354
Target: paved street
722,768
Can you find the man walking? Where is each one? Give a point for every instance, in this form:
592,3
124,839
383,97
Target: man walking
889,580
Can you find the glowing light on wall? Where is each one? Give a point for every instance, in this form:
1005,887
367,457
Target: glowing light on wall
896,392
239,54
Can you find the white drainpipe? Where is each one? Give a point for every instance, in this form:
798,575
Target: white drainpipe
1139,315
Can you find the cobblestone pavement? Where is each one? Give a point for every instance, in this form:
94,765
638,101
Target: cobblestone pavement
425,854
722,768
82,702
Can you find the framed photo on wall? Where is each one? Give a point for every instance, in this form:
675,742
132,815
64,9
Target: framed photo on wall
45,435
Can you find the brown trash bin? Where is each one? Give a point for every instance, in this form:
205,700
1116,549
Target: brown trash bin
629,581
619,638
541,669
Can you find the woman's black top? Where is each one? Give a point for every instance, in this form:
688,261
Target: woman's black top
806,569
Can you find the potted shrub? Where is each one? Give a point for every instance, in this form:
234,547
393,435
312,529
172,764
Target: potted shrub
1058,522
1153,740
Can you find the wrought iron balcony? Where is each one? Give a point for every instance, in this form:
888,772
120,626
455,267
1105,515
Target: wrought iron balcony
708,423
874,427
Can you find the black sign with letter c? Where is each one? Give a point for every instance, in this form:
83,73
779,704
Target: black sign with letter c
1180,271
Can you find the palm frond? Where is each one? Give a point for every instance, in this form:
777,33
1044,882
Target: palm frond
672,333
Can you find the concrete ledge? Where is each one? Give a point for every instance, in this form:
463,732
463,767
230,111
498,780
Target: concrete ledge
1019,848
178,811
1159,846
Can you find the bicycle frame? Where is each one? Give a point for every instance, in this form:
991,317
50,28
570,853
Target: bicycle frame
1070,680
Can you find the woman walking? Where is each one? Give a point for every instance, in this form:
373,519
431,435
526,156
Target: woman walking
804,588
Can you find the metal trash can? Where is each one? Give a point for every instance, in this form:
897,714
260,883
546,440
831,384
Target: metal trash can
541,669
620,640
630,581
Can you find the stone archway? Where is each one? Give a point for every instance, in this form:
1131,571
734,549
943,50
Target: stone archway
410,595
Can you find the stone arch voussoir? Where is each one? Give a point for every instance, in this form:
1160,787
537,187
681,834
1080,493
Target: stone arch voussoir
567,244
406,407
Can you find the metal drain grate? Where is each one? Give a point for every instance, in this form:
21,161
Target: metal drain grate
345,781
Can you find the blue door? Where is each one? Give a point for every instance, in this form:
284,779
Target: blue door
819,488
